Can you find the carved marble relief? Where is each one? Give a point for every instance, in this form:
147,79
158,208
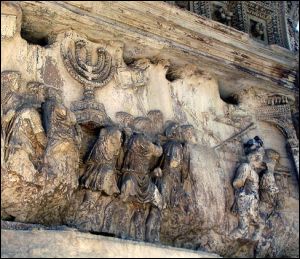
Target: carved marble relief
135,176
41,148
137,165
78,57
246,185
101,172
257,197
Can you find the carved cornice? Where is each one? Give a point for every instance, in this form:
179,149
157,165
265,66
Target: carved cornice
165,30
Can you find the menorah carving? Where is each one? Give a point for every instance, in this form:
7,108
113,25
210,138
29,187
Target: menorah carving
77,56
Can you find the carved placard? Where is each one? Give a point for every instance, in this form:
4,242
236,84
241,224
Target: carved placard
127,78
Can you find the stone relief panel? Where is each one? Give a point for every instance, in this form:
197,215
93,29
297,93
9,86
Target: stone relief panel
40,150
140,167
139,156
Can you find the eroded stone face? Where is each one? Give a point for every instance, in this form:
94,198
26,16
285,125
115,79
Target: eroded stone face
146,151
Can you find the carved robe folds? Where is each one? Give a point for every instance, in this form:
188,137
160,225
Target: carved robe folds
100,174
25,137
172,165
136,182
62,153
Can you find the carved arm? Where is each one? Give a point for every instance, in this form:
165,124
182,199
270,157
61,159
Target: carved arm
241,176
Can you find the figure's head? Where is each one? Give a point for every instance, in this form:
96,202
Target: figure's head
124,119
253,144
157,120
53,93
10,83
172,130
258,141
272,155
111,138
37,90
142,145
142,125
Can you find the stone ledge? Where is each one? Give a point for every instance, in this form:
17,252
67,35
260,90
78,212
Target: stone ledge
158,28
19,240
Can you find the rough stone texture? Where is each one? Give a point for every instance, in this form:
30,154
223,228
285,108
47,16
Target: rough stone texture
58,100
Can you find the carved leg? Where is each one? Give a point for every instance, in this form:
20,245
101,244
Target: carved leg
243,228
127,190
138,224
259,227
153,225
108,217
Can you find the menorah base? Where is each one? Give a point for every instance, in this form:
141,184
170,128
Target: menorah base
90,112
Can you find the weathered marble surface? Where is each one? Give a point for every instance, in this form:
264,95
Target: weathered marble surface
31,241
174,64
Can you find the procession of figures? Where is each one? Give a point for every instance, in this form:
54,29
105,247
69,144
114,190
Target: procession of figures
128,177
142,161
131,159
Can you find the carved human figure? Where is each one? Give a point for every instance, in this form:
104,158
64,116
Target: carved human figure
269,202
64,136
253,144
246,185
9,87
223,15
10,90
25,132
125,122
25,139
175,163
257,29
100,174
170,184
267,185
136,182
23,142
157,121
